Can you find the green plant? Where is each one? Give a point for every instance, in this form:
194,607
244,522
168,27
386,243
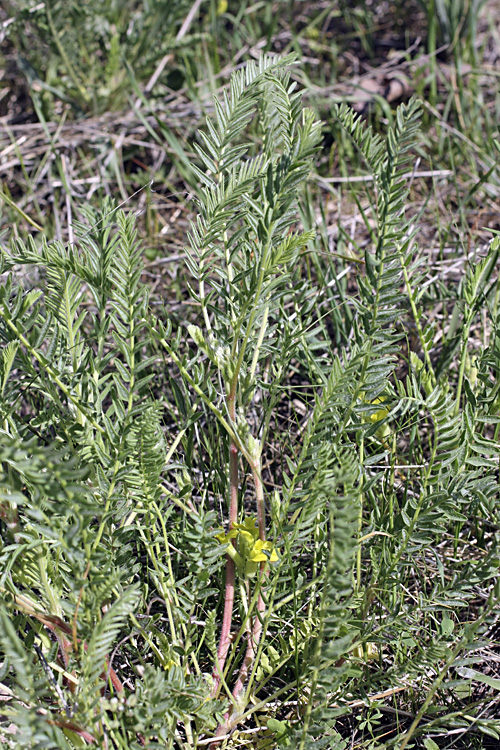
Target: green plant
450,21
88,54
353,540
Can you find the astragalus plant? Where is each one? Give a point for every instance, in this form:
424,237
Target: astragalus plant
230,531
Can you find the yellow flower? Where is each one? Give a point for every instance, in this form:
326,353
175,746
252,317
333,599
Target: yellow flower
381,413
366,651
384,430
250,551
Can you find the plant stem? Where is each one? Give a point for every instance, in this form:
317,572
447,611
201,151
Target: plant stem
225,636
259,496
203,303
228,426
254,632
360,515
249,654
463,359
262,333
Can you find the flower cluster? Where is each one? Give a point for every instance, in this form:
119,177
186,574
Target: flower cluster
249,551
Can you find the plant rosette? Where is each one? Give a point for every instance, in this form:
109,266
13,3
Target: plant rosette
249,551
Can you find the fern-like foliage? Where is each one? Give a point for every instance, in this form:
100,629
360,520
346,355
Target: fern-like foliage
245,212
380,297
334,638
123,434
